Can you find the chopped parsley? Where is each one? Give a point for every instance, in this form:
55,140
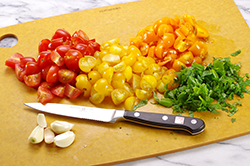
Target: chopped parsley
236,53
200,87
233,120
140,104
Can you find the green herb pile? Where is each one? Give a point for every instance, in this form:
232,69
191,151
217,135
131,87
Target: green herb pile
200,87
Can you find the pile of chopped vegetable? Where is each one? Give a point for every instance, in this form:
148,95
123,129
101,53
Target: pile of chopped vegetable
200,87
75,65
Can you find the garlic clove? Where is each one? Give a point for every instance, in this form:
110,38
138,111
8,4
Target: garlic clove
36,135
49,136
41,121
61,126
65,139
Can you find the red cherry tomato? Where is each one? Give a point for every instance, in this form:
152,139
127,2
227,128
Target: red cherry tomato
62,49
58,90
47,85
71,59
43,45
33,80
24,60
71,91
66,76
44,59
61,33
80,37
55,43
44,95
52,75
82,48
14,59
32,68
95,45
20,72
56,58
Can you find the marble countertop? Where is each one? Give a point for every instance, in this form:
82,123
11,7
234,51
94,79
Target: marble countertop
230,152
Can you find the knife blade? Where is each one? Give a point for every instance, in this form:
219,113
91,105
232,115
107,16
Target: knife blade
191,125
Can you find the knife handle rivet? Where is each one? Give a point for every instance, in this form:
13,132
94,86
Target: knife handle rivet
136,114
165,117
193,121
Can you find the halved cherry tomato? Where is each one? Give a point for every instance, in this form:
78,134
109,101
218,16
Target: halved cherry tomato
82,48
44,95
47,85
66,76
20,72
80,37
14,59
24,60
95,45
43,59
62,49
33,80
56,58
52,75
32,68
61,33
43,45
58,90
55,43
71,59
71,91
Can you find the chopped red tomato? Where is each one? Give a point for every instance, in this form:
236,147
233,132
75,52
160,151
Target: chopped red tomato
71,91
52,75
14,59
32,80
44,95
56,58
20,72
43,45
58,90
66,76
32,68
71,59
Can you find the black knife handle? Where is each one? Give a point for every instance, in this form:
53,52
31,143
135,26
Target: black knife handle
192,125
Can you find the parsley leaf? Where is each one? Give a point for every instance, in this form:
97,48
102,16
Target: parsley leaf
140,104
207,88
236,53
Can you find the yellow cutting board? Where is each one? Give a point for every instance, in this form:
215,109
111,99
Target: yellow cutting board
103,143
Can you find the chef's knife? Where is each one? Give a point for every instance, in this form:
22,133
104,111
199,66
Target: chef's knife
192,125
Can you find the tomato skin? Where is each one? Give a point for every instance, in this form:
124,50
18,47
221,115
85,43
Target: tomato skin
62,49
20,72
33,80
24,60
55,43
56,58
71,91
58,90
43,59
71,59
80,37
14,59
44,95
52,75
82,48
61,33
66,76
95,45
32,68
43,45
47,85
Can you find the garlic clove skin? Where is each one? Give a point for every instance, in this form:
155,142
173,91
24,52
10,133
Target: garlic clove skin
36,135
49,135
61,126
41,121
65,139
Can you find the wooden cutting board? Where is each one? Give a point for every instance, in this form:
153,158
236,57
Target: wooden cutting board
102,143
